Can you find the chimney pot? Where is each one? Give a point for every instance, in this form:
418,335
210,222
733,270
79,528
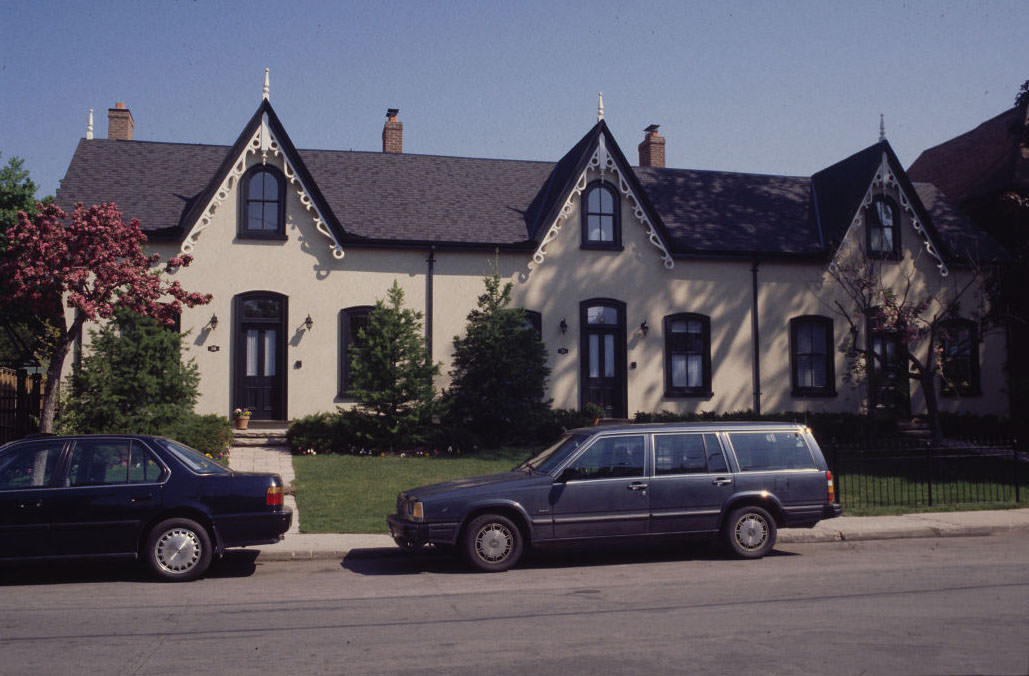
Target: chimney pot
393,133
120,124
652,149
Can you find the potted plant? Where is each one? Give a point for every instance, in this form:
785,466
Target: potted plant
242,416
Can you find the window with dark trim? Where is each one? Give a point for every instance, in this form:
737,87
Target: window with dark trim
882,219
687,355
352,320
959,357
262,212
601,226
811,356
535,321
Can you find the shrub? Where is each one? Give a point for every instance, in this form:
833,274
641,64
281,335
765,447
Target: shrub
210,433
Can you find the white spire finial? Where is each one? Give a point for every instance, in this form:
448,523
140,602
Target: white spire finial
89,127
882,128
264,94
600,106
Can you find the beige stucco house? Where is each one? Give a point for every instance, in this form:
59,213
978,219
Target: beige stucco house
653,288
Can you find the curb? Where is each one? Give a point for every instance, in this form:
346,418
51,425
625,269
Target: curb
786,536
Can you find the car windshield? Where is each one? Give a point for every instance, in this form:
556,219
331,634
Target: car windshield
548,459
192,458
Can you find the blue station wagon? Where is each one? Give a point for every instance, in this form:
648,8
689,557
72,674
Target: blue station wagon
740,481
131,496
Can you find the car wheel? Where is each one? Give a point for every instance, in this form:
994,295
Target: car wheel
492,543
178,550
750,532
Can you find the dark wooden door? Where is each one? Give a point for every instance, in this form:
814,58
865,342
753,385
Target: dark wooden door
260,347
603,356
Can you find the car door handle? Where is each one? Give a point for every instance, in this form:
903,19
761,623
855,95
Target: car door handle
140,498
637,486
722,481
30,505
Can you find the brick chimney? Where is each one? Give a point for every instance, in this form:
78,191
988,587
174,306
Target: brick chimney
652,149
393,133
120,124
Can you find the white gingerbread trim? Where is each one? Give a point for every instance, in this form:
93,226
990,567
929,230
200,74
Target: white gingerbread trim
602,161
884,178
262,142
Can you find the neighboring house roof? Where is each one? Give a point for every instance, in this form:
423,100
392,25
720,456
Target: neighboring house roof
381,199
981,162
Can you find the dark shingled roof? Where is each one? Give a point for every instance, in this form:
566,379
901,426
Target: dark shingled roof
395,199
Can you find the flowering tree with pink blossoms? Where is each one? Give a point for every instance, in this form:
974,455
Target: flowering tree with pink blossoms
95,264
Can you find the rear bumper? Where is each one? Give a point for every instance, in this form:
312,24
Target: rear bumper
262,528
808,516
412,534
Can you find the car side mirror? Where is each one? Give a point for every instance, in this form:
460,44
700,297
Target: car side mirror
568,474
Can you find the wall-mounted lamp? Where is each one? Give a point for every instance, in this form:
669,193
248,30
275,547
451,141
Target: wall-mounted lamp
644,328
563,326
213,321
308,322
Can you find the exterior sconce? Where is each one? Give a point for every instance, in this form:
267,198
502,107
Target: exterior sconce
563,325
644,328
308,322
213,321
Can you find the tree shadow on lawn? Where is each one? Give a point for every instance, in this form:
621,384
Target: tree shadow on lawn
432,560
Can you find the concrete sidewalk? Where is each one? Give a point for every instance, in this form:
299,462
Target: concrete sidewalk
304,546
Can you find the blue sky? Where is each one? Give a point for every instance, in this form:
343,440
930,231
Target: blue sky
764,87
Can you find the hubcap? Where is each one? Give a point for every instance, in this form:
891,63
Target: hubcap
751,531
177,550
493,543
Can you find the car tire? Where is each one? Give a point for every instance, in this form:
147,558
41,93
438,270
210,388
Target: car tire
178,550
750,532
492,543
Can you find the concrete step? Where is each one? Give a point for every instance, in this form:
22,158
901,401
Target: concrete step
265,437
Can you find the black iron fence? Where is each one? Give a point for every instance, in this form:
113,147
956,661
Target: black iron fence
21,398
913,472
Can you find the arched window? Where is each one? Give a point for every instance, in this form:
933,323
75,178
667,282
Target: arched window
262,211
687,355
601,227
811,356
882,221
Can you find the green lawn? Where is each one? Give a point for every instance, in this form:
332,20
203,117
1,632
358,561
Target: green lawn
354,494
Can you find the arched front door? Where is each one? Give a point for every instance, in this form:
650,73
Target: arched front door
260,354
602,324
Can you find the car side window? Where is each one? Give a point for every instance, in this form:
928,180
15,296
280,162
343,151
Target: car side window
29,466
764,451
111,461
609,458
687,454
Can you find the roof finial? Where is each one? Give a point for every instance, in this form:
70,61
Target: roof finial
600,106
882,128
89,127
264,94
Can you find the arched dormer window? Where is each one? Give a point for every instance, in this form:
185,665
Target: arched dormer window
601,226
882,220
262,212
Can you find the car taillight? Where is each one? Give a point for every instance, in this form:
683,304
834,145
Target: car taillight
273,497
832,489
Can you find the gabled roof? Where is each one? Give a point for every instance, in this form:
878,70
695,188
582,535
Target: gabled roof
394,199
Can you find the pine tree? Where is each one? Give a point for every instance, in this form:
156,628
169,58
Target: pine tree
132,380
391,374
499,370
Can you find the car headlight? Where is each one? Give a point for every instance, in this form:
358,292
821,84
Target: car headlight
417,512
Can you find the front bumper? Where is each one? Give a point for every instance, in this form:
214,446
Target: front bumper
413,534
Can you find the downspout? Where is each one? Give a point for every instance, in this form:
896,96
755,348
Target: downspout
431,260
755,338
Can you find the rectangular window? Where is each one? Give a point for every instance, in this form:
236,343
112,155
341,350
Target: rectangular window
609,458
811,356
959,358
687,355
353,321
30,466
688,454
97,462
765,451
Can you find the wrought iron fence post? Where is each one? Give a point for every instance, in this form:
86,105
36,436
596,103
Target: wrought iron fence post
929,474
